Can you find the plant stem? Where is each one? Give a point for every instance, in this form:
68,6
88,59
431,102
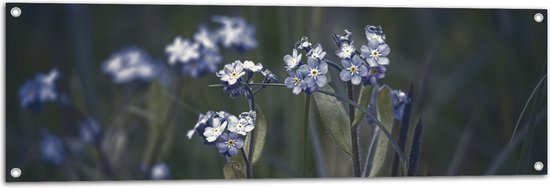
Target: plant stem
252,107
247,163
306,123
354,148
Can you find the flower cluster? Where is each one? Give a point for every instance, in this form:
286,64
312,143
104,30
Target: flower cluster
236,75
201,55
39,90
224,130
368,65
131,64
306,76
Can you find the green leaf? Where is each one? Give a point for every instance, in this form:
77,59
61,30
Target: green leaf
335,119
234,170
383,156
364,99
259,133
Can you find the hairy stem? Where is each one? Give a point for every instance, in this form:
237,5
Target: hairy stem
306,123
247,163
354,148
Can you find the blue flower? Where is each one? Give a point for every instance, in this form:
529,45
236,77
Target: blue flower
202,122
315,73
229,144
182,51
346,50
250,66
236,33
353,70
303,44
208,62
51,148
241,125
376,53
160,171
375,73
291,61
341,39
269,77
399,100
216,128
130,64
375,34
231,73
39,90
89,130
295,81
317,52
206,39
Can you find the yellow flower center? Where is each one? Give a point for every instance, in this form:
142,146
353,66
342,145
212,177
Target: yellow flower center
296,80
230,143
374,53
353,69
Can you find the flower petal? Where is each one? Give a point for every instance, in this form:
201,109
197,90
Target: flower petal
345,75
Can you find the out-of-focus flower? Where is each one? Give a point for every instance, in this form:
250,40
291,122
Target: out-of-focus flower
229,144
182,51
291,61
399,100
353,70
51,148
39,90
315,74
231,73
130,64
376,54
295,81
160,171
317,52
206,39
89,130
236,33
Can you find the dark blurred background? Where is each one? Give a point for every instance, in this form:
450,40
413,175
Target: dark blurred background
472,69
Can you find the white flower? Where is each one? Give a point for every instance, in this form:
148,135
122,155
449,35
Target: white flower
182,50
130,64
240,126
346,50
212,133
206,39
317,52
231,72
249,65
292,61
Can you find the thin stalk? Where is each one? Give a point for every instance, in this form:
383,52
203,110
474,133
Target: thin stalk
354,148
252,107
370,153
247,163
306,123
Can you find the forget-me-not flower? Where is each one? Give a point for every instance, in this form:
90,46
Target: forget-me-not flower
229,144
346,50
317,52
269,76
240,125
130,64
39,90
375,34
235,32
399,100
315,73
303,44
250,66
51,148
353,70
376,54
206,39
292,61
217,127
182,51
375,73
295,81
231,73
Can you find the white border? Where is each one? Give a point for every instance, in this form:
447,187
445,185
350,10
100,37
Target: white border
462,182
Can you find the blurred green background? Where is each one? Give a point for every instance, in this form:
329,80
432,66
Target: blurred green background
472,69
